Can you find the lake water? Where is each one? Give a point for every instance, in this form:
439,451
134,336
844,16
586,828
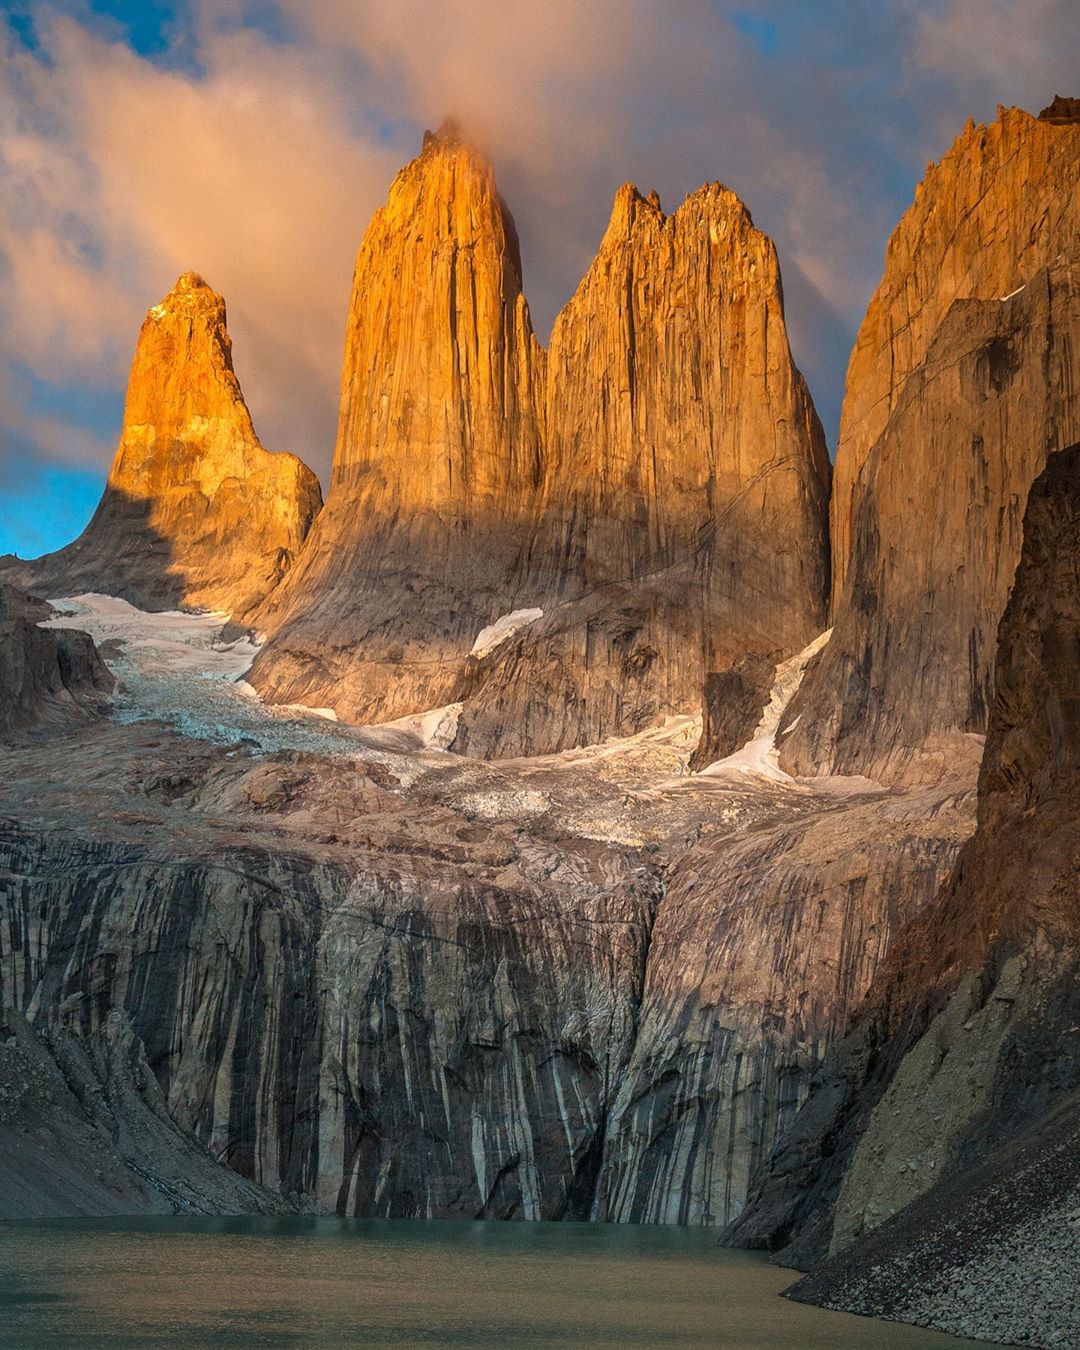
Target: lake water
345,1282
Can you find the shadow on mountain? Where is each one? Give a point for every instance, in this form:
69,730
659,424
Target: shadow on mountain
48,677
119,553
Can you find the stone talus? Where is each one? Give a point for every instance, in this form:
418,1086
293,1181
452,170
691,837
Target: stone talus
195,512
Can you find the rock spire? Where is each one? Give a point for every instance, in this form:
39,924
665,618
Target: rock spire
437,458
195,511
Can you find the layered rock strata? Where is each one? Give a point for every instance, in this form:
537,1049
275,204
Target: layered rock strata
438,455
966,1058
47,678
907,678
195,512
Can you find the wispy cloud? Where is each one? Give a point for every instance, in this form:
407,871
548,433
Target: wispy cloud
252,141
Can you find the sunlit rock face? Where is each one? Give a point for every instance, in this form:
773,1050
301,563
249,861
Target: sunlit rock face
961,382
1001,205
682,521
195,512
657,486
438,454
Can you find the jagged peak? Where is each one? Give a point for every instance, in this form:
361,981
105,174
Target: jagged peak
190,294
448,133
628,203
191,281
1061,111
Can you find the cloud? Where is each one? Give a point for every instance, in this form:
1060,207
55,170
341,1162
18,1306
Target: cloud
254,140
119,174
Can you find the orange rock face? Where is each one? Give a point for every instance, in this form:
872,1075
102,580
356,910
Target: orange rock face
682,521
195,511
960,384
657,487
1004,202
437,460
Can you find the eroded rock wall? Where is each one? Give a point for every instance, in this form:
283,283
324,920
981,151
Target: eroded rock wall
401,1014
762,947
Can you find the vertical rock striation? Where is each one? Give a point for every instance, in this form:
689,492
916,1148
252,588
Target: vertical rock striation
437,459
1001,205
961,382
195,512
967,1047
682,516
363,1001
762,947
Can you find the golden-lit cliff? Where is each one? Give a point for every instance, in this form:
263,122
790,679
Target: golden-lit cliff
195,511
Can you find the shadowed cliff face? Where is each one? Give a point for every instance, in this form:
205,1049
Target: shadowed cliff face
403,1013
46,678
659,493
968,1042
195,512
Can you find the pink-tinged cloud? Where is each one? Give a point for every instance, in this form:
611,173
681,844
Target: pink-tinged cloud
259,161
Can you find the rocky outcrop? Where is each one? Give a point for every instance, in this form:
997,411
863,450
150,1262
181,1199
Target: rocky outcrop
967,1051
1001,205
349,995
656,502
682,526
438,455
47,678
195,512
84,1129
907,678
763,945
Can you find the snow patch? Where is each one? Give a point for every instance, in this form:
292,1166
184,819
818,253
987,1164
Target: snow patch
1003,298
504,627
436,729
759,755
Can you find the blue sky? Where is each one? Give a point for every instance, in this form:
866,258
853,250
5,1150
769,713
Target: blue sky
251,140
